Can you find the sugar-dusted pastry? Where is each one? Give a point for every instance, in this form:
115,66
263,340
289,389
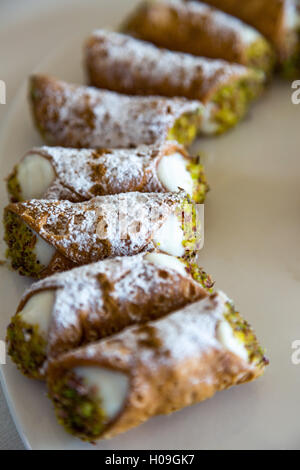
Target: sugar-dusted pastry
45,236
70,115
128,65
277,20
113,385
85,304
78,175
199,29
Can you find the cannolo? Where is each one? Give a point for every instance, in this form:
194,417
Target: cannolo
277,20
225,89
108,387
78,175
45,236
198,29
78,116
70,309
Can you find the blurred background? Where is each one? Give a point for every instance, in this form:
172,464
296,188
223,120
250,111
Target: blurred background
31,29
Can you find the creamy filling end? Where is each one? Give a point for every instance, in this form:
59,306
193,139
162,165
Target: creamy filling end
38,310
227,338
35,174
167,261
111,387
170,237
43,251
173,173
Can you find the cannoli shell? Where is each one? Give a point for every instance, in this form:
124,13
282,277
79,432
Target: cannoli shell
82,174
154,71
83,117
191,27
104,227
100,299
172,363
267,16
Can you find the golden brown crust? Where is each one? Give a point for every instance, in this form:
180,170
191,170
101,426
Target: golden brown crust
104,227
82,174
189,27
172,363
154,71
114,294
267,16
58,264
76,116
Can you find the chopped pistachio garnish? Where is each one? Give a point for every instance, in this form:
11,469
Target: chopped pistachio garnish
201,187
186,128
199,275
187,214
13,187
261,55
21,242
244,333
232,102
27,347
78,408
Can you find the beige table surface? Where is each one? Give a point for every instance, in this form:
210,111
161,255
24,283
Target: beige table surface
29,30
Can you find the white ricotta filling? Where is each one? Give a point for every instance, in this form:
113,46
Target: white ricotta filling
227,338
291,16
173,173
250,35
170,236
208,124
35,174
166,261
43,251
112,387
38,310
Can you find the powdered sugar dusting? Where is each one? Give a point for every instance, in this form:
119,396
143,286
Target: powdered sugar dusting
105,226
220,22
126,64
78,116
196,28
179,336
81,290
82,173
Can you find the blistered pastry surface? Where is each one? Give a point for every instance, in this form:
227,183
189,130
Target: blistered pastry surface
175,338
154,70
78,116
269,17
105,226
172,363
193,27
136,288
82,174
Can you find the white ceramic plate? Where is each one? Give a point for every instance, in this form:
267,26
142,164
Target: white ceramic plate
252,250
